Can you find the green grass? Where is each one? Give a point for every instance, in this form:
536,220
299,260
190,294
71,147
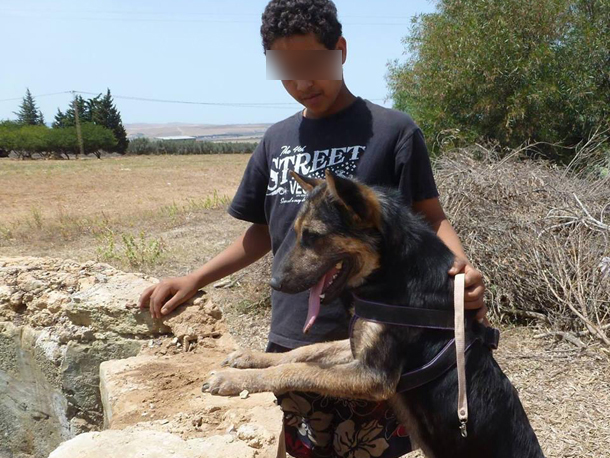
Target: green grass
131,250
248,307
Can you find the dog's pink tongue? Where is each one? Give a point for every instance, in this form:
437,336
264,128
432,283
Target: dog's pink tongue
314,304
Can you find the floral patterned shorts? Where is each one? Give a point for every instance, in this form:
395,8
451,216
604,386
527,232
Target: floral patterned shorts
318,426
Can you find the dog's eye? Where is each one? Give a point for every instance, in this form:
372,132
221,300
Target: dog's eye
308,237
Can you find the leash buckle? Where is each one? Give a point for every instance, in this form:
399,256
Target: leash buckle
463,429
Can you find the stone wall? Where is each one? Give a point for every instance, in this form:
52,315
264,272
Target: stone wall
60,320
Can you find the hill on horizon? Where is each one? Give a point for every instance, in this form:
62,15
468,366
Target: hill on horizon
211,132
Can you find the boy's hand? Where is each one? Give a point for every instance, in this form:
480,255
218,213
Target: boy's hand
178,290
474,288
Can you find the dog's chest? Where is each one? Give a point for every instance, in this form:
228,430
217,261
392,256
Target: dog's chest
364,337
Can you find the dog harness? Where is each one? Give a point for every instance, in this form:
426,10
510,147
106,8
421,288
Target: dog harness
467,331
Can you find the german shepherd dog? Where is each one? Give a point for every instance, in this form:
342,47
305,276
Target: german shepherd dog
365,240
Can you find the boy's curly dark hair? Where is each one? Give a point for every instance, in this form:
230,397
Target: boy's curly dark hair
283,18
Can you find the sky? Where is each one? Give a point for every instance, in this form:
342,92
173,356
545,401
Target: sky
183,50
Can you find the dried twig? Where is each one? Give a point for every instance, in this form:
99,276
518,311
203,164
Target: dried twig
534,232
564,335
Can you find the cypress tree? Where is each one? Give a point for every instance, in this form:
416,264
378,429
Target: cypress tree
67,119
99,110
105,113
60,120
29,113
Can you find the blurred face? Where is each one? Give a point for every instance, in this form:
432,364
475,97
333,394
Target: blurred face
317,95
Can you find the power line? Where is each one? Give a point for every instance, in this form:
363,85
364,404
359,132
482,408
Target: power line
209,21
276,105
272,105
92,16
174,13
188,102
36,96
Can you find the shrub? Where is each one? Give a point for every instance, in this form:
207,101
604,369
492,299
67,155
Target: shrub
148,146
539,234
28,140
510,71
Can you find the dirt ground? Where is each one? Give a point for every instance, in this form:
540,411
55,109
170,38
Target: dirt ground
117,186
565,390
160,390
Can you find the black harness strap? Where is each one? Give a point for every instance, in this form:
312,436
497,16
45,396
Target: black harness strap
446,359
440,364
403,316
429,319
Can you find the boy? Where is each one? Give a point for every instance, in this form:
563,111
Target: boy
352,137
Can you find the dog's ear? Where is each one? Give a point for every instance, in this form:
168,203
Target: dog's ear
306,183
359,199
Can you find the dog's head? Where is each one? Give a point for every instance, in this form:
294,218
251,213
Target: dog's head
337,234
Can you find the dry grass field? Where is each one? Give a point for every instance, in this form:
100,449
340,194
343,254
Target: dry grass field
145,212
166,215
116,186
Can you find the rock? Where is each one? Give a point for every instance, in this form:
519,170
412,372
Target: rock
174,388
59,319
255,436
80,425
69,336
151,444
91,295
194,321
213,310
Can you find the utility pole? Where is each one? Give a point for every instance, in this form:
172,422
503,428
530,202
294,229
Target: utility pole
79,135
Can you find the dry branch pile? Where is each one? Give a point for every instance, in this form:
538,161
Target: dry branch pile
539,233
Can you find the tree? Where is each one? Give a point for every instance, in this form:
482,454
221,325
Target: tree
7,136
97,138
28,113
511,71
29,140
63,141
26,140
105,113
99,110
67,119
60,120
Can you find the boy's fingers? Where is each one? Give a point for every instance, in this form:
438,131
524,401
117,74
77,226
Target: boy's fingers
172,303
474,304
151,307
473,277
145,296
157,299
474,293
457,267
482,316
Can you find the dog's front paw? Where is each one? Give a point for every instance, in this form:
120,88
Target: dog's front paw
246,359
225,383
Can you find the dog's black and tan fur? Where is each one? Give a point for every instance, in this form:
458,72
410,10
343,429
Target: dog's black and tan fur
389,255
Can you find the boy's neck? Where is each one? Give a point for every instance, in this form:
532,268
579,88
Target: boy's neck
343,100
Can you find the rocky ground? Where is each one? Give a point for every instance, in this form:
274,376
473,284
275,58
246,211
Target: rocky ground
60,319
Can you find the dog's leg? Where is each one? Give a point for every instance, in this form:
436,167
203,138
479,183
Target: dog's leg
337,352
352,380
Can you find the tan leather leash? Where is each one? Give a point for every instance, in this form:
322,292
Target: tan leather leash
460,343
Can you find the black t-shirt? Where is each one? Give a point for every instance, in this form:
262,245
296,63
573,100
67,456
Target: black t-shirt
377,145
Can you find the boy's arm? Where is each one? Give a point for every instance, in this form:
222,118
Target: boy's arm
433,212
168,294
